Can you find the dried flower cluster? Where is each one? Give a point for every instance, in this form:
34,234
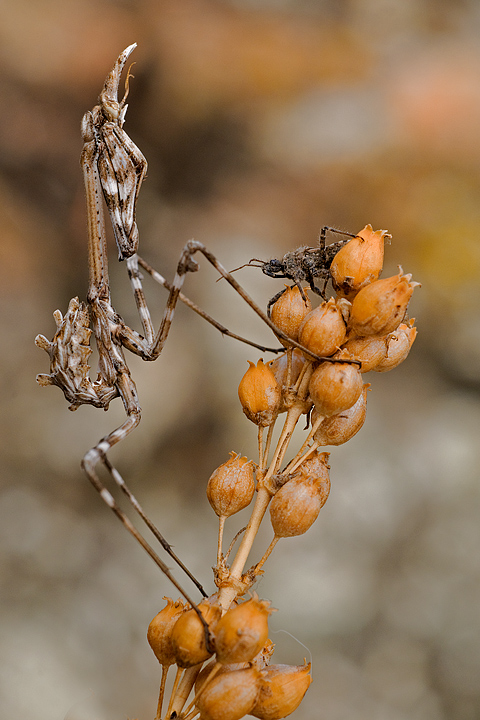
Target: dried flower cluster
365,327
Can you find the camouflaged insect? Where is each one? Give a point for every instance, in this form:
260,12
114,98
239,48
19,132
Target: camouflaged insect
121,166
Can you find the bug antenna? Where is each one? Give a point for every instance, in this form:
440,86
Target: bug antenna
249,264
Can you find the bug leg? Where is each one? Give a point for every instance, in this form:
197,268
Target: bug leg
98,454
322,237
90,461
142,307
126,388
327,228
132,267
316,289
187,264
154,530
302,292
273,300
69,352
274,273
189,250
184,266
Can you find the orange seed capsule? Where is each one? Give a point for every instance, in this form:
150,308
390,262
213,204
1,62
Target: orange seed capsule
334,387
338,429
282,689
230,695
231,486
359,262
296,505
207,669
188,634
316,468
399,343
159,633
289,311
323,330
279,367
262,659
243,631
260,394
368,350
380,307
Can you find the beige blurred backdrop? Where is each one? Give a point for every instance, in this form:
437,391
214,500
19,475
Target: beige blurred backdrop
262,120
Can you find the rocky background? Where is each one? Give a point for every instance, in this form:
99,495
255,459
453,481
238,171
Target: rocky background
261,121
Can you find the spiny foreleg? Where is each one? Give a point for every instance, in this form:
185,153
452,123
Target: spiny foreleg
69,352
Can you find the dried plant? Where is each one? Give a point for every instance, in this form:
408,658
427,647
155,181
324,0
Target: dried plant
319,375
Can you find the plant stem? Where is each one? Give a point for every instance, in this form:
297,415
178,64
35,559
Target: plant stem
204,684
267,446
161,694
221,525
298,460
291,420
267,554
174,690
260,446
228,593
293,463
184,689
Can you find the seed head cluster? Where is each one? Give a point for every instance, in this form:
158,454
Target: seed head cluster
364,327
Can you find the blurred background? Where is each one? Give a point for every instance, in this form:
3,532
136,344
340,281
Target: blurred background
261,120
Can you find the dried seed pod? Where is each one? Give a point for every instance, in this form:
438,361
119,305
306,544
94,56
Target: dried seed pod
335,387
380,307
207,669
260,394
296,505
262,659
338,429
368,350
159,633
399,343
289,311
316,468
230,695
188,634
243,631
282,689
279,367
359,262
323,330
231,486
344,306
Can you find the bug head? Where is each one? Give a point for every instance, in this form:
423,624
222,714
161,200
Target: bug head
112,108
273,267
